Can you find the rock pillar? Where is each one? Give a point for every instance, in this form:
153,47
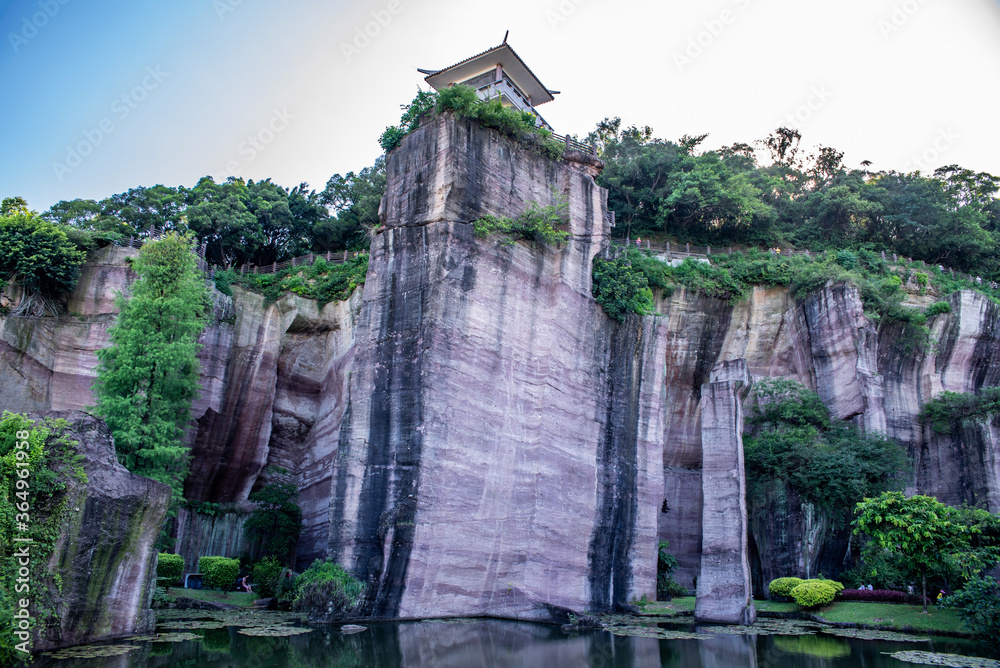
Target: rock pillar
724,593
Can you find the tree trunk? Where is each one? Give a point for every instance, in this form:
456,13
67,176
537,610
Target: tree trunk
924,577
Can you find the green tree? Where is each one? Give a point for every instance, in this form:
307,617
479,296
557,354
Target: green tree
148,376
924,533
791,438
277,521
37,255
11,206
354,200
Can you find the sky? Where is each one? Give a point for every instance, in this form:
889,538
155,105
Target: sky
104,96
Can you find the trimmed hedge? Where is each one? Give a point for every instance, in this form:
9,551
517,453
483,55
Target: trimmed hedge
219,572
813,593
169,569
783,586
879,596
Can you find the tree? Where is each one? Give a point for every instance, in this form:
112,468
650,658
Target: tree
924,533
37,255
148,376
354,200
14,205
277,521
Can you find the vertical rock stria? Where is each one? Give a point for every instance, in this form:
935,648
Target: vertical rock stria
499,454
724,592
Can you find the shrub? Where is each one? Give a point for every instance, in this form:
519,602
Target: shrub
326,588
219,572
205,564
666,586
783,586
978,604
874,595
464,102
620,288
837,587
537,223
937,308
948,409
169,569
813,593
266,574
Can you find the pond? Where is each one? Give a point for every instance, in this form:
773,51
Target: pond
221,641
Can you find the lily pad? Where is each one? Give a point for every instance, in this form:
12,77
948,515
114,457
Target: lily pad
278,631
873,634
640,631
92,651
194,624
176,636
953,660
769,627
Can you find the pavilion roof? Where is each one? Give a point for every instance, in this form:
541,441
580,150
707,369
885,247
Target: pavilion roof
503,55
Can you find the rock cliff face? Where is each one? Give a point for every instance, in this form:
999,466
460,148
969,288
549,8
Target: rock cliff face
472,435
724,593
104,556
497,453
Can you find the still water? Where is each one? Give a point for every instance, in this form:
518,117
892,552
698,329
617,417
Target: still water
473,643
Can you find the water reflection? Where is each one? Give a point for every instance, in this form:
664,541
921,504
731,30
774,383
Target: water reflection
502,644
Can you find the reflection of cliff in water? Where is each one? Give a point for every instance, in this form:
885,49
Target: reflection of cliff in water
505,644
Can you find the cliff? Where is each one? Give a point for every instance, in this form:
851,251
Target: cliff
102,571
471,434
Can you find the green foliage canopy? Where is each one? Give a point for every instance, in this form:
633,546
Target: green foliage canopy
949,409
277,521
148,376
37,254
926,536
791,439
169,569
31,506
621,288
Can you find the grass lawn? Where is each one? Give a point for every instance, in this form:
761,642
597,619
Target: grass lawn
241,598
886,615
893,615
667,608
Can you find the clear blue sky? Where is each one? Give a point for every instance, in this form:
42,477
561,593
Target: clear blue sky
167,92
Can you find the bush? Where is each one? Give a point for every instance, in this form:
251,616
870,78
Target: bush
620,288
978,604
464,102
219,572
537,223
873,595
783,586
326,588
666,586
948,409
837,586
813,593
169,569
937,308
266,575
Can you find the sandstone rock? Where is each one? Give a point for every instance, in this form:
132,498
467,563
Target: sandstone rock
496,453
104,555
724,590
